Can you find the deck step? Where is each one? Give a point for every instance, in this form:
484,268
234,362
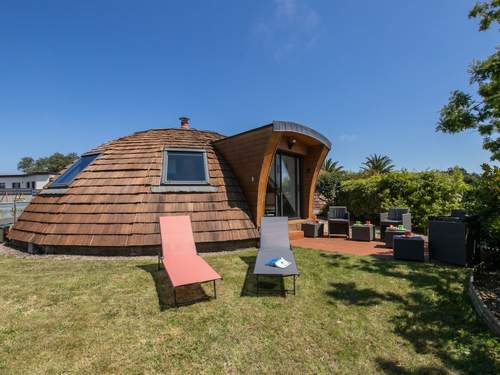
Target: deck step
296,234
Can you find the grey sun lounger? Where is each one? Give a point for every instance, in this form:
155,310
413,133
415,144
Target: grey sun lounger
274,243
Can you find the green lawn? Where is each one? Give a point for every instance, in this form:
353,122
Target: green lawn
352,315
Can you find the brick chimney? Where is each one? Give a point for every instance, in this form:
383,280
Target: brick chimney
184,122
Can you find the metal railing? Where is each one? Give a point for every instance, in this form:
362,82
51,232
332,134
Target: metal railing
19,191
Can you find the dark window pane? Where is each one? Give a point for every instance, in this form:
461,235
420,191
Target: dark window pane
186,166
289,177
272,191
283,187
67,177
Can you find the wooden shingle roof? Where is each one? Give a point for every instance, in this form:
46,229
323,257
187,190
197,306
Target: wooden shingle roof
111,203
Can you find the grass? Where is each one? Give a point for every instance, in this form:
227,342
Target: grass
351,315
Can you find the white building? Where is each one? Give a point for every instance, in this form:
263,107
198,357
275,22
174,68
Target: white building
23,182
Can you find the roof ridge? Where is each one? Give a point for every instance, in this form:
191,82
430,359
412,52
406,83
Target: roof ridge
178,129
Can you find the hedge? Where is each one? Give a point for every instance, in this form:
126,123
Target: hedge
424,193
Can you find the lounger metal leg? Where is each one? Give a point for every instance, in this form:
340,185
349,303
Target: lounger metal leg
175,298
283,281
257,284
215,291
159,262
293,284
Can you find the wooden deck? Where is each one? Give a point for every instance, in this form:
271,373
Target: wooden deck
344,246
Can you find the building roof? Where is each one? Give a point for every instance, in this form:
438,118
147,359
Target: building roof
293,127
14,174
290,127
113,202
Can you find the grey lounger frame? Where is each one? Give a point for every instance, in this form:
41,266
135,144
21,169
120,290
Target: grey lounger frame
274,243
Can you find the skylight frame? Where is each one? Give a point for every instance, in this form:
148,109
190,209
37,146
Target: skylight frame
62,185
165,181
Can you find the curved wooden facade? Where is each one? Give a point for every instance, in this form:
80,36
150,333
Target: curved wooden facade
251,153
113,205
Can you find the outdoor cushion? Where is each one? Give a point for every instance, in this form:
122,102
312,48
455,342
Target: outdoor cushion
338,220
397,213
337,212
387,221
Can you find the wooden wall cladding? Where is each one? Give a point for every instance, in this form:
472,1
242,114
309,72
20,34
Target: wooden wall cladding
250,155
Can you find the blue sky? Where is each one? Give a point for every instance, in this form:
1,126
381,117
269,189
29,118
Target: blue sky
371,76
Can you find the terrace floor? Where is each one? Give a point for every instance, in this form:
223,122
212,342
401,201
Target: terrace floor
345,246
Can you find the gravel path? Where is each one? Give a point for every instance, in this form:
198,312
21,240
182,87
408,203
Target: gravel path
11,252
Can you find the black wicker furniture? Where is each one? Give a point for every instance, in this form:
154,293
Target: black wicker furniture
390,233
454,239
313,229
409,248
338,221
395,216
362,232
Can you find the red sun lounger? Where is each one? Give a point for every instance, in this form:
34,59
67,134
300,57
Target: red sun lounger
179,257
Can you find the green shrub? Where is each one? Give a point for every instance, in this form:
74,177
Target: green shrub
484,200
327,185
361,196
424,193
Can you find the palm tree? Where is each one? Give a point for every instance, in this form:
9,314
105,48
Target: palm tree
331,166
377,164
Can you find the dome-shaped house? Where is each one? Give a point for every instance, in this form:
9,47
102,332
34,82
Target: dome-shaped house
108,202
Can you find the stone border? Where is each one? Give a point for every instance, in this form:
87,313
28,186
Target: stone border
491,320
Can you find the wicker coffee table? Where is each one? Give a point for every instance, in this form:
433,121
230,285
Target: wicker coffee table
389,235
409,248
313,229
362,232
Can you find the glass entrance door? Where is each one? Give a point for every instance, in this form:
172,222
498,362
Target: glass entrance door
283,186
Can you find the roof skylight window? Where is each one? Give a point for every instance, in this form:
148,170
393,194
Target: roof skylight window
185,167
76,168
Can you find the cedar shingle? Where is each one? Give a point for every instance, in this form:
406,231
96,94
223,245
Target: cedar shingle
111,203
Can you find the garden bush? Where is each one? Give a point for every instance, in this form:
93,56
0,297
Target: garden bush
424,193
328,185
483,199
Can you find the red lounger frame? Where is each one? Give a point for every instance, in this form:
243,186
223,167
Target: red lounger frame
179,257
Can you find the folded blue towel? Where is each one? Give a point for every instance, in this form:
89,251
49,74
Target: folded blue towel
272,262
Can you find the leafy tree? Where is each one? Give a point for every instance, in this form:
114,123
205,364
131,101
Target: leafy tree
377,164
331,166
462,111
327,186
488,12
484,200
26,164
52,164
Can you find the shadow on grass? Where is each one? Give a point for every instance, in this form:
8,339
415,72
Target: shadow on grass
186,295
348,293
392,368
267,284
436,317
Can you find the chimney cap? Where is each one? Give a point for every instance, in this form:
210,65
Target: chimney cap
184,122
